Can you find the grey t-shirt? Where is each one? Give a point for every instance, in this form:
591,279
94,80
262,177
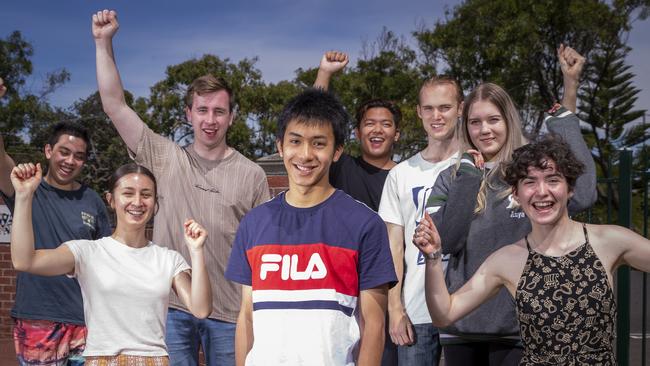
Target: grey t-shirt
470,238
215,193
58,216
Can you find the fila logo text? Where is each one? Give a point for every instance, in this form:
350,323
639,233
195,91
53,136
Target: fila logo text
288,267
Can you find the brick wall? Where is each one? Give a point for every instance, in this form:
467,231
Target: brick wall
277,184
7,289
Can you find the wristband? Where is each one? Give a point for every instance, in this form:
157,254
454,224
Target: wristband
433,256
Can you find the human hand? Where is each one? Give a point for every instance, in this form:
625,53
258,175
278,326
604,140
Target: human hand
571,62
195,235
426,237
479,161
333,61
104,24
400,329
25,178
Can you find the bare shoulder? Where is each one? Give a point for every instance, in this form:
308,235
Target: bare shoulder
508,263
516,250
610,234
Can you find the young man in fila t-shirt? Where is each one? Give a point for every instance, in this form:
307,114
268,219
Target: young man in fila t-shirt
315,264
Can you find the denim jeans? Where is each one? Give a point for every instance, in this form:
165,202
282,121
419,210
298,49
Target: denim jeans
185,332
425,351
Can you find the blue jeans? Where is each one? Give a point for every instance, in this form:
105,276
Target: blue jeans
185,332
425,351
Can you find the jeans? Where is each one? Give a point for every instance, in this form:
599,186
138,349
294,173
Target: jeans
185,332
425,351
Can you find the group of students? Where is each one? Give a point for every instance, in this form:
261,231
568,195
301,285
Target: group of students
345,267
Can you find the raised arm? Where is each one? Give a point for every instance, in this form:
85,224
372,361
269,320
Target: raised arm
571,63
45,262
567,125
195,290
330,63
444,308
126,121
6,162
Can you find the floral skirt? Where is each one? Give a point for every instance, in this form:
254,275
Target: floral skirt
127,360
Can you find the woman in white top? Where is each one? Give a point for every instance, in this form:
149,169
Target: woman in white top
125,279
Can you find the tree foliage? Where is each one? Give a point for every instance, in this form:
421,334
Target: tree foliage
513,43
24,112
166,107
388,69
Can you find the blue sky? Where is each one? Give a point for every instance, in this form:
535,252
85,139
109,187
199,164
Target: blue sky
284,34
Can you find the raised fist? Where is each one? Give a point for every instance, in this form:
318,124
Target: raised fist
571,62
333,61
26,177
105,24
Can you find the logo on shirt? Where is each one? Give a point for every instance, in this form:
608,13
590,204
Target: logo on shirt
206,189
88,219
288,267
5,222
515,211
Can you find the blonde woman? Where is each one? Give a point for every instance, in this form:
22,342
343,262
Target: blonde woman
476,215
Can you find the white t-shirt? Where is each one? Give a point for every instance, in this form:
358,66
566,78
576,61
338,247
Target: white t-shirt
125,294
403,200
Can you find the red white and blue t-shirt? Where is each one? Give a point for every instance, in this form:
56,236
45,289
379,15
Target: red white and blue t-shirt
306,267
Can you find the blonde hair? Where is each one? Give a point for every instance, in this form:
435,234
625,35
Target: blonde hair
494,94
442,80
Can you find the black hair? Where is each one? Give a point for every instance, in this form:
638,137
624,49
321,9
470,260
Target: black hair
538,153
68,128
379,103
317,107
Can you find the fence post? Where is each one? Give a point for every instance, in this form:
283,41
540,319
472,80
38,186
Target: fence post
623,273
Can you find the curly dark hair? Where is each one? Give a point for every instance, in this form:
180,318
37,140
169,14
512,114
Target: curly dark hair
537,154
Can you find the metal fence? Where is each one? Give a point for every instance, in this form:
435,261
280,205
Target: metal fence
625,277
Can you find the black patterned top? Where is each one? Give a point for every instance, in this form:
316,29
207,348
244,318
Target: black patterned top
566,309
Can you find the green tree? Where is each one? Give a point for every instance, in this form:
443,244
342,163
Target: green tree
513,43
608,107
23,112
388,69
108,152
166,107
270,102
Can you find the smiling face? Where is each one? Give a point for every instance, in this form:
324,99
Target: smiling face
486,128
377,133
438,109
65,160
543,194
134,199
308,150
210,117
